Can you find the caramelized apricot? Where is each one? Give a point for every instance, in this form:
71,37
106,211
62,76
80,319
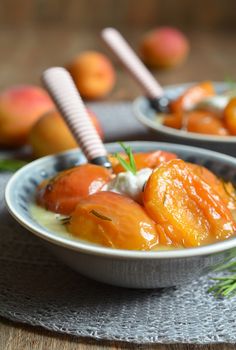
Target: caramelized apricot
61,193
144,160
230,116
192,95
189,210
113,220
205,122
174,120
224,189
202,122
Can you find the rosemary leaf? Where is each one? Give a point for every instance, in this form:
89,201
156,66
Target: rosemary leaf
65,220
225,286
11,164
127,165
100,216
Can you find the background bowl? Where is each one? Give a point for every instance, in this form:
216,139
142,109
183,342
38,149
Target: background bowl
148,117
136,269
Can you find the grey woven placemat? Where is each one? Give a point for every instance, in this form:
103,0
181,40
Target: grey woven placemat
35,288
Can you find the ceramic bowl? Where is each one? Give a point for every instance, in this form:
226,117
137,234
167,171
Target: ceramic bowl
148,117
126,268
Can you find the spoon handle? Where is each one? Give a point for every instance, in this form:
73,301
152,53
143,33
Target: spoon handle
63,91
132,63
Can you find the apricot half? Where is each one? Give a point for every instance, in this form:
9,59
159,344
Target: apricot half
230,116
224,189
190,212
144,160
113,220
62,193
192,95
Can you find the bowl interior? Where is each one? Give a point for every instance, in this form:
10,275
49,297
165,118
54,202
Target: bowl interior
20,194
147,116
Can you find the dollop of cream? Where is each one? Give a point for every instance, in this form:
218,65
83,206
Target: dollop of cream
129,184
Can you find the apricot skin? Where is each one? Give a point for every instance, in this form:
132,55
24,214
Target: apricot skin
190,212
113,220
204,122
20,107
44,140
164,47
143,160
230,116
191,96
93,74
62,193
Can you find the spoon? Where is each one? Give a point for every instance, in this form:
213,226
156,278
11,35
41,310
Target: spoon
137,69
147,81
61,87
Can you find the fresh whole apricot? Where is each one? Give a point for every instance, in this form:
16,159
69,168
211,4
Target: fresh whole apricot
164,47
230,116
93,74
113,220
190,212
44,140
62,193
20,107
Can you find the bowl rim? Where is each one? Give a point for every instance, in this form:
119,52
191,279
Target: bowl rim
180,134
87,248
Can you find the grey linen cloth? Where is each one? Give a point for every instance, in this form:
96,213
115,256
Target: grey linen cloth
37,289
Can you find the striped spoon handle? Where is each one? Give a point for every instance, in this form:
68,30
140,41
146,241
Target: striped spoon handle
63,91
137,69
131,62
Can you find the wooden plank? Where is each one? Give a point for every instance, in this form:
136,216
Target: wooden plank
25,54
21,337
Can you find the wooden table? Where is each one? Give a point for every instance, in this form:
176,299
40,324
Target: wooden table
18,337
24,54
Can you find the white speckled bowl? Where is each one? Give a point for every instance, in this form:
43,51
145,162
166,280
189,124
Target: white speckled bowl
126,268
148,117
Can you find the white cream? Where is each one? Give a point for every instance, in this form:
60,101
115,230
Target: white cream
129,184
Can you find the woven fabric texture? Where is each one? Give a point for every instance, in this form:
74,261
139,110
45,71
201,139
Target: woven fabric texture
37,289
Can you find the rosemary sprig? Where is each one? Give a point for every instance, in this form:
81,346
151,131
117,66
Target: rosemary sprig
11,164
127,165
225,286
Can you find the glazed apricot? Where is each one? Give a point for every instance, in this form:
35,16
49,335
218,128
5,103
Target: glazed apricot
205,122
189,210
224,189
174,120
61,193
202,122
230,116
144,160
113,220
192,95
